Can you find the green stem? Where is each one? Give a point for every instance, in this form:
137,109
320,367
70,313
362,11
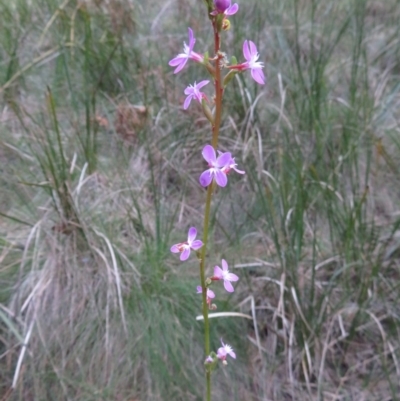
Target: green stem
215,131
204,288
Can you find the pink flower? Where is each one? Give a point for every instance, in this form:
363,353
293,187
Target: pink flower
224,274
181,59
251,55
194,92
185,247
231,165
225,7
210,294
224,351
209,359
216,167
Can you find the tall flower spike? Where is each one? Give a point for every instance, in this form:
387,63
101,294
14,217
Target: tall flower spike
216,167
226,275
184,247
225,7
251,55
194,92
181,59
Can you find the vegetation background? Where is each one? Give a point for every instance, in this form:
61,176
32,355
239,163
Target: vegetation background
99,169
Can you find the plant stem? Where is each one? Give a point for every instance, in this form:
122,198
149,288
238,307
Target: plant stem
215,131
218,88
204,288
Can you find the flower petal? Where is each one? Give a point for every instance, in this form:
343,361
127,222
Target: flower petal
224,159
232,9
231,277
196,245
201,84
228,286
196,57
206,178
191,235
187,102
177,60
210,293
238,171
253,48
199,289
224,265
192,39
185,254
181,65
258,75
198,95
246,50
221,178
175,248
189,90
218,272
232,354
209,154
221,353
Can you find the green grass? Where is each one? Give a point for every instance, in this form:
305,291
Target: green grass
99,169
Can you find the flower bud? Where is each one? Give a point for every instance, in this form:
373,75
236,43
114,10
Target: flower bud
222,5
226,25
207,112
208,360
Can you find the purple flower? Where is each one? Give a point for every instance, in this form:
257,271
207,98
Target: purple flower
225,7
216,167
181,59
210,294
224,274
185,247
224,351
251,55
231,165
194,92
209,359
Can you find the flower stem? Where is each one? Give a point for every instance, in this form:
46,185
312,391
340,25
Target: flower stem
204,288
219,89
215,131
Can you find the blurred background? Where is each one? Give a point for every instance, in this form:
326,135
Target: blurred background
99,177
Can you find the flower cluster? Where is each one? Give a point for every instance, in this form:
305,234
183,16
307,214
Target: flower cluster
250,54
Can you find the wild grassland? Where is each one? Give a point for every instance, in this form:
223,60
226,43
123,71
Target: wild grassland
99,168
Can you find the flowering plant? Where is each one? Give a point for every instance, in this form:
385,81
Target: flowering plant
220,164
